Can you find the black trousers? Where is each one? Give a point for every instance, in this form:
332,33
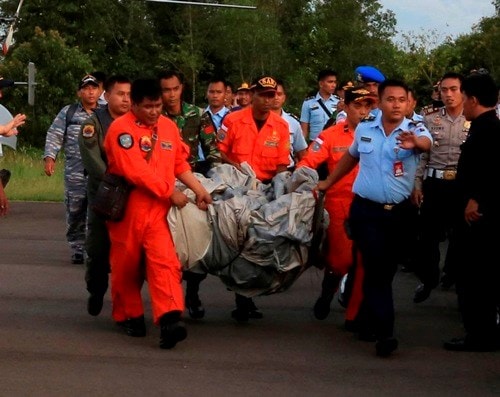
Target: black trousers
379,234
478,280
97,245
438,214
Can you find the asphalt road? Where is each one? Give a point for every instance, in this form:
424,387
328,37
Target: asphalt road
50,346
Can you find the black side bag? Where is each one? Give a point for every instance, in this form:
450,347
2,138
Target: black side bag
111,198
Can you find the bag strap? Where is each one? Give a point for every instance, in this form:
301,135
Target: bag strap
328,113
154,138
69,115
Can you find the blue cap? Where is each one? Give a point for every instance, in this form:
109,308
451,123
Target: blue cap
367,74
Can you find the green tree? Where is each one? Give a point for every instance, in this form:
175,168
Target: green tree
59,68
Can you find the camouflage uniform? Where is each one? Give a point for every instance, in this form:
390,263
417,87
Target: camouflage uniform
198,131
75,181
97,244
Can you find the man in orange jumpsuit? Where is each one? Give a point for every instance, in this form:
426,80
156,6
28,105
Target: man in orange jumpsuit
261,138
330,146
145,148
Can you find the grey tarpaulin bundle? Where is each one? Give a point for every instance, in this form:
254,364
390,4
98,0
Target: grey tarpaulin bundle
255,237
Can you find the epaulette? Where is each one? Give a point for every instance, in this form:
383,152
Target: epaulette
429,109
416,123
294,116
309,98
370,117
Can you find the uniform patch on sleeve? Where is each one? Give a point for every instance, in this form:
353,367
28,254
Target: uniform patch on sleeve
88,131
126,140
221,135
315,146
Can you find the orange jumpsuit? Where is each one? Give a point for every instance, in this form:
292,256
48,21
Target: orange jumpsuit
263,150
330,146
143,235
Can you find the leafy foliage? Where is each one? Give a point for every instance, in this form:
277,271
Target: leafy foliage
291,39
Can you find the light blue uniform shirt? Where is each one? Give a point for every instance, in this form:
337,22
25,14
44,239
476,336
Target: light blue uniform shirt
217,119
314,114
377,155
297,140
417,117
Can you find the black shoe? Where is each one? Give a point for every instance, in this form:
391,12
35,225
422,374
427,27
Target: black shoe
351,326
77,258
94,304
322,307
171,334
385,347
253,311
255,314
366,336
195,307
134,326
241,315
447,282
422,292
466,345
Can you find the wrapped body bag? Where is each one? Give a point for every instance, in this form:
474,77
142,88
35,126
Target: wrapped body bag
111,198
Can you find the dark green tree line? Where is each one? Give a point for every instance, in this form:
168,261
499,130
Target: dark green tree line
291,39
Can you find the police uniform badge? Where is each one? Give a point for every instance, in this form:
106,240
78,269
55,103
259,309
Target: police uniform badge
145,143
125,140
88,131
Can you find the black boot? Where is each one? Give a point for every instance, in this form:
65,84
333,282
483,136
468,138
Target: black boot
253,311
242,311
193,303
173,330
134,326
328,288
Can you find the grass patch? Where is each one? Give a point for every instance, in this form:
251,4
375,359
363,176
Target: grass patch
28,181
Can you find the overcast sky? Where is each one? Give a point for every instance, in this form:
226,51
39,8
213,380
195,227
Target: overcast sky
447,17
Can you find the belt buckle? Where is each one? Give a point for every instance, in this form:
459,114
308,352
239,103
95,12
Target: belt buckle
449,175
388,207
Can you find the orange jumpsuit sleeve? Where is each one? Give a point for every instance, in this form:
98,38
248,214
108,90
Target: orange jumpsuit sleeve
318,151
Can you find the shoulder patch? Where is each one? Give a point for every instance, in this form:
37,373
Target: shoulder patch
125,140
88,131
221,134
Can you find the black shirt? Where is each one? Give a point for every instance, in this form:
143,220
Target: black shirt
478,165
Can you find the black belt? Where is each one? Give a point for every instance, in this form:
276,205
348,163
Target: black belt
381,206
